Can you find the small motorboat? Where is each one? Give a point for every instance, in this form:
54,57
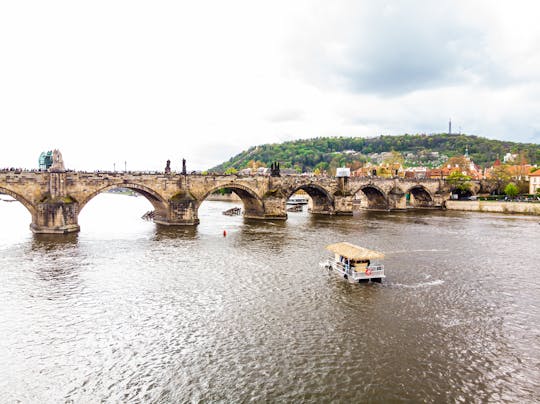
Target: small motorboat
354,263
297,200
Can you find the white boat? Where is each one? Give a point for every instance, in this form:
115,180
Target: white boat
297,200
354,263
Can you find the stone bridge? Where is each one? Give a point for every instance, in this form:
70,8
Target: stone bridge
54,199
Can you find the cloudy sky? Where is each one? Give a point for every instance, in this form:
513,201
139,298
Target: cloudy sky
109,82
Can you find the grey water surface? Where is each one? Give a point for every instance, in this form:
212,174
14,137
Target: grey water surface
127,311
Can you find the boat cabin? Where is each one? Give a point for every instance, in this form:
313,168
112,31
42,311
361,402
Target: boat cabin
354,263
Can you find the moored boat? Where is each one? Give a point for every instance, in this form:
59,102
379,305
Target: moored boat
354,263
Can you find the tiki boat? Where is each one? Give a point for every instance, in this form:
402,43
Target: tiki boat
354,263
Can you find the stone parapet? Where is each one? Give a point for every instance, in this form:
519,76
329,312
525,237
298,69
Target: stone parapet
55,199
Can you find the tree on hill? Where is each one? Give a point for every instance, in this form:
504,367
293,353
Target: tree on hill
511,190
499,177
459,182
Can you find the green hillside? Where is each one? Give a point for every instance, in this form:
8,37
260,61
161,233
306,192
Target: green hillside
330,152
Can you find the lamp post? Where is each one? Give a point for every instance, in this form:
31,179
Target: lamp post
114,167
125,166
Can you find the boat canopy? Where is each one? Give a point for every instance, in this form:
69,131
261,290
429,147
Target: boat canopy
354,252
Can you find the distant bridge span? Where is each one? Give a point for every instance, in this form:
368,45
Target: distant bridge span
54,199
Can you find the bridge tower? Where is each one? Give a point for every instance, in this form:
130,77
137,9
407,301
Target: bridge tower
56,211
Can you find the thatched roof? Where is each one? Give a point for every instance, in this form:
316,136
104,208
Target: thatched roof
354,252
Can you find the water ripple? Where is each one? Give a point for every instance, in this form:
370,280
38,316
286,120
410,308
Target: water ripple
131,312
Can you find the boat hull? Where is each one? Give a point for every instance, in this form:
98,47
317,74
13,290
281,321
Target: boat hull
375,274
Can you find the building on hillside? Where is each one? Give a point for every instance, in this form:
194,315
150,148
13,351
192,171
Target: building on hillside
378,158
386,156
520,172
435,173
517,172
464,165
534,182
392,170
383,170
416,172
369,170
509,158
489,170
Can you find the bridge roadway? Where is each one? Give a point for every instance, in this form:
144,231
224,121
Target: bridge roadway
55,199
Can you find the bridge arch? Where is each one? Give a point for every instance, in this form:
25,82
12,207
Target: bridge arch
372,197
462,193
25,202
253,204
157,201
420,197
321,199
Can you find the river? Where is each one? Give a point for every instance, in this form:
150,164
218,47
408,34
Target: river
127,311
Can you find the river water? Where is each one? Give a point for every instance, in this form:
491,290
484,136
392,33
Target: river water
126,311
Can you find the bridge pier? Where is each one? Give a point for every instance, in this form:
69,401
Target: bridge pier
275,208
54,198
397,200
343,205
321,205
57,212
56,217
181,211
440,198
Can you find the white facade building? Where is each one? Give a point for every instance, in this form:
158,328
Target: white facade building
534,182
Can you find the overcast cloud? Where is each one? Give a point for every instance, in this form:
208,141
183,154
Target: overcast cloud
110,82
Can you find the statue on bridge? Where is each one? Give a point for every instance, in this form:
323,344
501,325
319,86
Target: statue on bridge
274,170
168,167
58,163
184,171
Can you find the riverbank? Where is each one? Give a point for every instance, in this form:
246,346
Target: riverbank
495,207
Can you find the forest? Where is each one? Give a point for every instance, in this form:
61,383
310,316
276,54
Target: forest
326,153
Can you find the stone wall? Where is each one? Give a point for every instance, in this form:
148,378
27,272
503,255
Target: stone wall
495,206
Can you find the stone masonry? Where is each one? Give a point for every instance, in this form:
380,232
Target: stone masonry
55,199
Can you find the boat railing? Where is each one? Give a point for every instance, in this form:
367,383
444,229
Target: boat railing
376,269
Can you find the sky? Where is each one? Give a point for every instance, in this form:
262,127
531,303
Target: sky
116,84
